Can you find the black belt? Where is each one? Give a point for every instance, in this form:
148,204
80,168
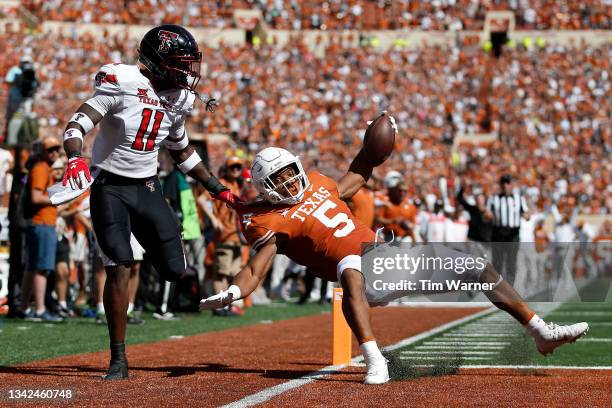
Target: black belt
105,177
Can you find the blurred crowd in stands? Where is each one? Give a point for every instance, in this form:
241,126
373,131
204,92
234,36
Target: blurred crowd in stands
548,108
334,14
538,115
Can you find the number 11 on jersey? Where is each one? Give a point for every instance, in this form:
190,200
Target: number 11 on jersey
144,126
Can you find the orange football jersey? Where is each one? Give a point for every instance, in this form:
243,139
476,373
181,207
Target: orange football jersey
363,206
404,211
320,230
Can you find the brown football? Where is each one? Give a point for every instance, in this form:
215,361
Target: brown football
379,139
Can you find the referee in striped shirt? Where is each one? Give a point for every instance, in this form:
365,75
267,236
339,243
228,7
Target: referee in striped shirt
507,208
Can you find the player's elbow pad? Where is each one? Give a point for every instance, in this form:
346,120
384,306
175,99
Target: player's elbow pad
189,163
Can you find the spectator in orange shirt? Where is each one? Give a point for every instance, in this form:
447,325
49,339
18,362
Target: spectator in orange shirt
41,237
397,215
228,253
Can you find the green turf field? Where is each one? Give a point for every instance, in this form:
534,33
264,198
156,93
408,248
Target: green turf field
22,341
497,340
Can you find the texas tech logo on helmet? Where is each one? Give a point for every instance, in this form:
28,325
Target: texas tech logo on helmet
165,40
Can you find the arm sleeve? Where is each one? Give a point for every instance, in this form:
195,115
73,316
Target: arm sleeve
524,207
258,236
107,90
39,178
12,73
463,202
177,139
104,103
255,233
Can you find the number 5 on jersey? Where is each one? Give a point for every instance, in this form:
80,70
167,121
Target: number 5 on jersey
144,126
335,221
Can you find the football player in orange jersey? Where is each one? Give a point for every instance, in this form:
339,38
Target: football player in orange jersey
305,217
396,214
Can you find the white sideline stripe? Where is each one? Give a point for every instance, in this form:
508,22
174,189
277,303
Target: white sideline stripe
443,358
458,348
471,331
597,339
539,367
271,392
471,335
465,343
575,313
454,352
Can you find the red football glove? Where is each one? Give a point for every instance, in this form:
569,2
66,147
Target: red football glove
76,173
231,199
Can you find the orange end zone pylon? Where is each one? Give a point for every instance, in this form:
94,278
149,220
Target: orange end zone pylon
341,332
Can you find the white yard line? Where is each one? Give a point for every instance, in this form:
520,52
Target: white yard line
459,347
538,367
271,392
454,352
580,313
471,335
596,339
444,358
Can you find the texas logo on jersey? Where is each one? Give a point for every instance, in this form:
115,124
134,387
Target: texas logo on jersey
320,231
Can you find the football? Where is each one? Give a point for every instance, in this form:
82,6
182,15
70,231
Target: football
379,139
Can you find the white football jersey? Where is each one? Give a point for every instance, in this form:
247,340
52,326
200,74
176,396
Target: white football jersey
136,121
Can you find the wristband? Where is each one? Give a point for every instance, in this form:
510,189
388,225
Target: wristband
235,292
213,186
73,133
82,120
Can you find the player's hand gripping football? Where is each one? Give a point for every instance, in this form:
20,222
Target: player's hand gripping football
77,173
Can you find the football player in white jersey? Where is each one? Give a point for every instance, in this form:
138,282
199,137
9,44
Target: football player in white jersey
140,108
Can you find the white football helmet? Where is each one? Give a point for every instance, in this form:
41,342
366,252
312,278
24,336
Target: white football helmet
392,179
269,162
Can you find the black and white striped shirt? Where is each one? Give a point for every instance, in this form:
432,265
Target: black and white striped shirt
507,209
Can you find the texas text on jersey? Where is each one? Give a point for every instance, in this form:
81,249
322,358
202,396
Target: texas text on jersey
136,120
320,231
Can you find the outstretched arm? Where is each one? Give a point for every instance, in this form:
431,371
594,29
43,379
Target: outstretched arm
247,279
190,163
357,176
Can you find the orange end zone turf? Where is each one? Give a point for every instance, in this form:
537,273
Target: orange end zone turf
341,332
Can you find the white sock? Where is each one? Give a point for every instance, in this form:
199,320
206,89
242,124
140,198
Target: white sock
371,352
535,324
63,304
130,308
100,307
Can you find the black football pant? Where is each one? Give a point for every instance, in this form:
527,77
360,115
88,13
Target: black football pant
120,205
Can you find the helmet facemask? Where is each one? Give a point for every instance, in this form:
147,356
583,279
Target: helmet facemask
285,186
184,71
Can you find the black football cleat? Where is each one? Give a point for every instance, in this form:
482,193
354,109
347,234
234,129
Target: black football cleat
118,370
